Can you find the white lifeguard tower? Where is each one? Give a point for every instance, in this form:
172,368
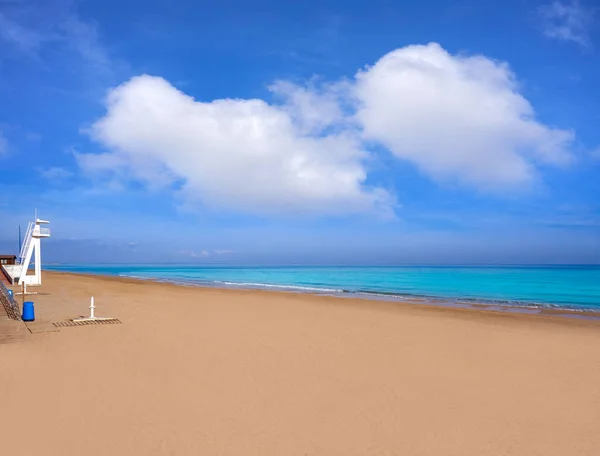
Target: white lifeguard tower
32,243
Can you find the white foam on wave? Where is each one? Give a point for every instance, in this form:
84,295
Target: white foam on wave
282,287
131,276
235,284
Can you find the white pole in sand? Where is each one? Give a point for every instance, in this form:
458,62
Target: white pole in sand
92,316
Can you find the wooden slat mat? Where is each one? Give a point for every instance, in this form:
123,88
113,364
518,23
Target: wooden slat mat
63,324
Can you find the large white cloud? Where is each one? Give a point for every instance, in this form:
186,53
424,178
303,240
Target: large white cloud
455,117
240,154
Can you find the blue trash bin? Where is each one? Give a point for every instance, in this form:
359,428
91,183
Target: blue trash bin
28,311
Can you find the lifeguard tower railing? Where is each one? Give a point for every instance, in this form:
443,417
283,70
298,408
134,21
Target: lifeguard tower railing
8,302
33,230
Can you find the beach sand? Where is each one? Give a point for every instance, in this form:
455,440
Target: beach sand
193,371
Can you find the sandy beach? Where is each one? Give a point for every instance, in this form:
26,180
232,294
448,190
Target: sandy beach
194,371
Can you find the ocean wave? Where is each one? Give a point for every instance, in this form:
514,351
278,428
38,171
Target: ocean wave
286,287
131,276
203,282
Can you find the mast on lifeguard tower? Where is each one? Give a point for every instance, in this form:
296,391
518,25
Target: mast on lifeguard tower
31,244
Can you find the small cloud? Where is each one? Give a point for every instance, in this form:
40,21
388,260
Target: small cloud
33,136
34,29
204,253
82,38
107,188
3,144
26,39
55,173
567,21
222,252
595,154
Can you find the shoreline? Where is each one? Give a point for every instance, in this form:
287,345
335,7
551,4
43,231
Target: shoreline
476,307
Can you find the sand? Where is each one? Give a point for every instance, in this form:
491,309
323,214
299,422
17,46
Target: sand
194,371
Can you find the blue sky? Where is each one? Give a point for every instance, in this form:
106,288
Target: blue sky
314,133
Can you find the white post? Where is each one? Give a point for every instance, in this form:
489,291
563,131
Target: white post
93,316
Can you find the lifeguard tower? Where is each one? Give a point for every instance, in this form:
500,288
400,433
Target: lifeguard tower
31,245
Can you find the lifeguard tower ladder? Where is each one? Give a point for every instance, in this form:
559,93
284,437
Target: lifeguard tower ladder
31,244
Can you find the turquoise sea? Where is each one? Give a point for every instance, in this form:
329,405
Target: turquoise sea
535,287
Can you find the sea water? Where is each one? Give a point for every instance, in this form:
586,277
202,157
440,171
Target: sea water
560,287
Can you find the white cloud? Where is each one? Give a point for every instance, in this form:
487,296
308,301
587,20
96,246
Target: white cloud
312,109
240,154
456,117
55,173
567,21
